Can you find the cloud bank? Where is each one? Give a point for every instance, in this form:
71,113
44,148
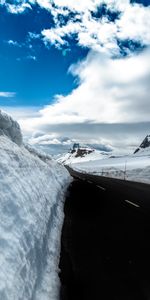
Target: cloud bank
110,93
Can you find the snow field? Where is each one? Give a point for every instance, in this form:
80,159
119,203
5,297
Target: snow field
131,167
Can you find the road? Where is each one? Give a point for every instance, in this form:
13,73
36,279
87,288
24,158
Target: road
134,193
105,251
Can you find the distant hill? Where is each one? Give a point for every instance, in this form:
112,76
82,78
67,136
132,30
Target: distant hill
81,154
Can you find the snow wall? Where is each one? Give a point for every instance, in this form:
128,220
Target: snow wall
32,191
10,128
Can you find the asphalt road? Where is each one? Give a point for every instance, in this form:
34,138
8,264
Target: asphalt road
134,193
105,252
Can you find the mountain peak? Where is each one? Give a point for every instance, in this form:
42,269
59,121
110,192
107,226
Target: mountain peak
144,144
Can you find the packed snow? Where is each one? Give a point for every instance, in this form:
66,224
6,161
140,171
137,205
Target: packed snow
33,188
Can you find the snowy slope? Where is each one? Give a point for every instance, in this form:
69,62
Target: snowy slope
135,167
31,214
144,148
81,155
143,152
131,167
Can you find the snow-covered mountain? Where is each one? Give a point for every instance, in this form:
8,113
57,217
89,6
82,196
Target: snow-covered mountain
32,189
81,154
144,148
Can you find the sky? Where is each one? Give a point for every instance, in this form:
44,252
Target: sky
77,71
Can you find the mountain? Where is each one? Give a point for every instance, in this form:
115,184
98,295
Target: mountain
81,154
144,147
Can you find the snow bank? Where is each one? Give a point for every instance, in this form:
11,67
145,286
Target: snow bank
10,128
31,216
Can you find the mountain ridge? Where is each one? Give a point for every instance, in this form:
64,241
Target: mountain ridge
145,145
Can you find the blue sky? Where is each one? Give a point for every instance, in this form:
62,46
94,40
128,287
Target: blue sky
65,64
34,72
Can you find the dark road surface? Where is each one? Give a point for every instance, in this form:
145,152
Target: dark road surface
105,252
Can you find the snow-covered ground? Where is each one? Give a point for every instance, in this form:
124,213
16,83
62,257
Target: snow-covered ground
131,167
32,190
135,167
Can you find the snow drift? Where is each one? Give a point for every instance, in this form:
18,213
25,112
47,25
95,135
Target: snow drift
32,189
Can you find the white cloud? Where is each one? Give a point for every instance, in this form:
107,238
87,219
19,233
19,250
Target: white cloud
113,94
56,143
110,91
7,94
53,37
18,8
44,4
134,24
14,43
24,112
45,139
33,35
98,34
31,57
